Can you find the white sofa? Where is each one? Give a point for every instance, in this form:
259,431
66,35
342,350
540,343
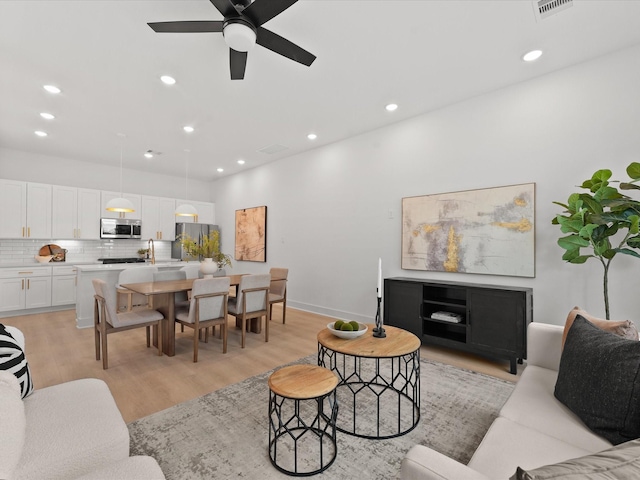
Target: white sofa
533,428
69,431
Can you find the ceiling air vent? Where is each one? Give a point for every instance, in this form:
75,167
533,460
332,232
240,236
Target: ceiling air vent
275,148
546,8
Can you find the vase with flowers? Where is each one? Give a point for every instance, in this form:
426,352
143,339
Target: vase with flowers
207,250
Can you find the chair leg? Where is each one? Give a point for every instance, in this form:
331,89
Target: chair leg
148,336
96,328
196,334
159,329
284,309
223,333
244,329
267,320
105,360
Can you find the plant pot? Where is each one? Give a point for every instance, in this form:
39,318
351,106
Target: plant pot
208,267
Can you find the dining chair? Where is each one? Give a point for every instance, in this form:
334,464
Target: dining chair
207,308
181,299
252,301
107,320
192,271
133,275
278,290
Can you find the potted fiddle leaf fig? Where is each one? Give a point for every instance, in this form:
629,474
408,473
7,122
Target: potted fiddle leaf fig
603,222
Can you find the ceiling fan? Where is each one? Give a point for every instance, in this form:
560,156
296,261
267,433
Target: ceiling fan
242,29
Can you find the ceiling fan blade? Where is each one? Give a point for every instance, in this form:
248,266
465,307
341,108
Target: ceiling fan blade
237,64
193,26
284,47
225,7
261,11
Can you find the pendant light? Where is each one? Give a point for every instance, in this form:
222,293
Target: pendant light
120,204
186,209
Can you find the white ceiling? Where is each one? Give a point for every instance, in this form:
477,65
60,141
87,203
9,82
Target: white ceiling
420,54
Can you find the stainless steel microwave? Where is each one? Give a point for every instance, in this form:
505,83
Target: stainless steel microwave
120,228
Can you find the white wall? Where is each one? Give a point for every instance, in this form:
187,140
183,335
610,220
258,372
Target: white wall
31,167
328,209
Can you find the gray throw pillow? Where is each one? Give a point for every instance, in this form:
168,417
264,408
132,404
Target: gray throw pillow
599,381
621,462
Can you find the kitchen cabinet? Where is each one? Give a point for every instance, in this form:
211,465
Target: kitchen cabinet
63,286
206,212
76,213
133,198
158,218
489,320
24,288
25,209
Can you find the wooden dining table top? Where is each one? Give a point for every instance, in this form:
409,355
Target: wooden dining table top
172,286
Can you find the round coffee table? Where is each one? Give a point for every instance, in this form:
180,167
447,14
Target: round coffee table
379,381
302,439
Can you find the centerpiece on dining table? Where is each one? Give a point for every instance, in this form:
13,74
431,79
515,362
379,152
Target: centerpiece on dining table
207,250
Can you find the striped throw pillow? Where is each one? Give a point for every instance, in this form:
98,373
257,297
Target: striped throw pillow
13,360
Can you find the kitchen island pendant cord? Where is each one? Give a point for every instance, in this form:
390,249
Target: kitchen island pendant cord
121,204
186,209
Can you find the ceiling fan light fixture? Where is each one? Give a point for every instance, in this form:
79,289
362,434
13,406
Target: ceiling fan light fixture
239,36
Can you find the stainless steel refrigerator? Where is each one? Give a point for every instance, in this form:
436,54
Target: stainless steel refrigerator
195,231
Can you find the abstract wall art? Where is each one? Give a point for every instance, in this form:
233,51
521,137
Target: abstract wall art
251,234
487,231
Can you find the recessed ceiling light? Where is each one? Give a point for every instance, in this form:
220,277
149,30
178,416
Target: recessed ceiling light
312,136
220,170
148,154
240,162
532,55
46,115
40,133
188,128
52,89
391,107
166,79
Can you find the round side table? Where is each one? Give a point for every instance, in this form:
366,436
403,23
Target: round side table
302,440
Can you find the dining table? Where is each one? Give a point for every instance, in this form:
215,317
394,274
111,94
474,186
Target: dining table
163,293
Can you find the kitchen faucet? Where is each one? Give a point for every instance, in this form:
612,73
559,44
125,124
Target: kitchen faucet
151,247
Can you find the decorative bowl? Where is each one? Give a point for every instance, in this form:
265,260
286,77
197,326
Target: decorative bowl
44,258
347,334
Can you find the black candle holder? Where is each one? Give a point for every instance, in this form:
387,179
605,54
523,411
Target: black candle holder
378,331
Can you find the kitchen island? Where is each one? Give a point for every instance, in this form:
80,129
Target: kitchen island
109,273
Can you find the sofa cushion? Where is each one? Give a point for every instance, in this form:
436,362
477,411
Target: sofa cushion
13,360
72,429
533,405
620,462
599,381
12,424
623,328
508,445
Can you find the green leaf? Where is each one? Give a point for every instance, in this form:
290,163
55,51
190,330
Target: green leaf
571,254
581,259
626,251
629,186
600,248
633,170
592,205
634,242
609,254
606,193
572,242
612,230
570,225
634,224
562,205
601,176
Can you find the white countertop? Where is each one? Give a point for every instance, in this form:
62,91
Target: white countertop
121,266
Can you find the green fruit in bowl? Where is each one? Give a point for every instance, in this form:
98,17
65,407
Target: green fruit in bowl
346,327
338,324
355,325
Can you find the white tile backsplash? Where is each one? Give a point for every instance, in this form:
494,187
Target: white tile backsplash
78,251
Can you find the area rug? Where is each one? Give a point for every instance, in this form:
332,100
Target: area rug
224,434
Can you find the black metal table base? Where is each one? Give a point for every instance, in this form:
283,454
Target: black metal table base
379,397
302,439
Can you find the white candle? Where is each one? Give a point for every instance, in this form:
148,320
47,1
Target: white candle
379,278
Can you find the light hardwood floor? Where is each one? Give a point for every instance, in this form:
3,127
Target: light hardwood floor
143,383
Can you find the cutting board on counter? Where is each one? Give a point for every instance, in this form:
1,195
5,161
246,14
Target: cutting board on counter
58,253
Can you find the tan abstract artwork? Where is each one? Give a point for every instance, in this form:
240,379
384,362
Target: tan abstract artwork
487,231
251,234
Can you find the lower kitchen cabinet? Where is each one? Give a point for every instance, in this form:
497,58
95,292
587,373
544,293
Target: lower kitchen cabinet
25,288
63,286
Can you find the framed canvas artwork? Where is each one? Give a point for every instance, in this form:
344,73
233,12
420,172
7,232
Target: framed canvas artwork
251,234
487,231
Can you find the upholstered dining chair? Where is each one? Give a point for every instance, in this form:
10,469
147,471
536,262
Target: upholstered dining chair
252,301
207,308
278,290
192,271
128,299
181,298
107,320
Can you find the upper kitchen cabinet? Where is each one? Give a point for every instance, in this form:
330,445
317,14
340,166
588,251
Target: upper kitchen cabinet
25,209
206,212
76,213
158,218
135,199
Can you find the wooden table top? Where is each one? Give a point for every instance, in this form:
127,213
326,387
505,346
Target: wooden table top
302,381
171,286
398,342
